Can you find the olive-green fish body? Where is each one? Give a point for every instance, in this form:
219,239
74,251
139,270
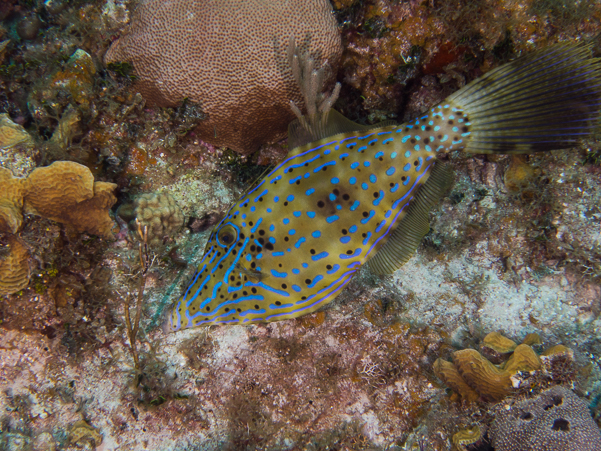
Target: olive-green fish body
289,245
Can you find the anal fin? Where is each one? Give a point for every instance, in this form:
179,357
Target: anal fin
404,240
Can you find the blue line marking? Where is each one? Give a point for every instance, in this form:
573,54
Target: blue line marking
329,163
353,255
200,287
319,256
261,195
371,215
317,279
335,268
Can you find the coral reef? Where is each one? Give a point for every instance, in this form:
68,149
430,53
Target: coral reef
243,84
158,212
472,376
389,45
555,420
14,266
357,376
64,192
11,202
467,437
17,149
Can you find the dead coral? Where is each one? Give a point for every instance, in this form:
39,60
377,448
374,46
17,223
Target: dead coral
556,420
62,99
187,50
84,435
16,147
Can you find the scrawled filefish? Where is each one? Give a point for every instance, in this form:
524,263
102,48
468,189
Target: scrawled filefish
362,195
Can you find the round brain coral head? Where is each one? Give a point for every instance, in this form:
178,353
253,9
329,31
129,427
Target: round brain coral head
230,57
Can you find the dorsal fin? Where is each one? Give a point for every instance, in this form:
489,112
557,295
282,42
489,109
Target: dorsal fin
299,134
321,121
404,240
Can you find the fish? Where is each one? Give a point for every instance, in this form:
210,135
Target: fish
349,195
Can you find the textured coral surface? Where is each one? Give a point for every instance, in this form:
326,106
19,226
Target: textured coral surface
515,248
239,75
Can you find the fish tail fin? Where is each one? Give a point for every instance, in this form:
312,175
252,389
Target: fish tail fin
549,99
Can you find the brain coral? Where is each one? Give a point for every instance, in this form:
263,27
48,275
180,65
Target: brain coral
229,56
556,420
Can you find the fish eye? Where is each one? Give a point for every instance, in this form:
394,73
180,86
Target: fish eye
227,235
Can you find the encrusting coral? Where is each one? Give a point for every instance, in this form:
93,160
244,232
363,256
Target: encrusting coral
239,75
556,420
